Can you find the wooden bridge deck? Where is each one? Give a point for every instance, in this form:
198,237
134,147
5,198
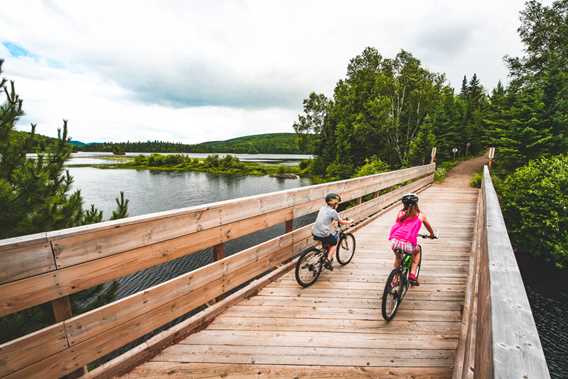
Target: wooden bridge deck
334,328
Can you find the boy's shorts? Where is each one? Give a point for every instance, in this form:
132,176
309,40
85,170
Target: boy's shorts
328,240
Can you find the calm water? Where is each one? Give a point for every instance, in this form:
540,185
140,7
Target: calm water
547,291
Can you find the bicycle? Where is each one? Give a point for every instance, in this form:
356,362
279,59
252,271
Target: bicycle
311,261
397,282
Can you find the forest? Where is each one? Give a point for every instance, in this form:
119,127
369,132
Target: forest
269,143
388,113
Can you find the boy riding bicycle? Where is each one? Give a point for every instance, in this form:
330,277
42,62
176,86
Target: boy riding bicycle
324,229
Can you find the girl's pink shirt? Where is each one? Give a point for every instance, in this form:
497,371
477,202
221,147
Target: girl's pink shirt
408,229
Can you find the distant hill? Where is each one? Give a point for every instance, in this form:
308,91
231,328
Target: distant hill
40,141
271,143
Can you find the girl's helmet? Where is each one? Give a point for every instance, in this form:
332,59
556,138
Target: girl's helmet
332,196
409,199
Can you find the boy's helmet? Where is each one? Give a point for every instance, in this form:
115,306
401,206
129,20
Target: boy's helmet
332,196
409,199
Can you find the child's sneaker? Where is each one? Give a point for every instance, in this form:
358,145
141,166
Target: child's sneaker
413,279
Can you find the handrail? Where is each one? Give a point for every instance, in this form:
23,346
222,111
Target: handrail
499,336
47,266
74,342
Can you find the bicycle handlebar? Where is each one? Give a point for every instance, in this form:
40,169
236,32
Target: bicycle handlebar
428,236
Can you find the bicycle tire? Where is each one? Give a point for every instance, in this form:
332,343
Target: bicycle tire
387,292
343,260
311,260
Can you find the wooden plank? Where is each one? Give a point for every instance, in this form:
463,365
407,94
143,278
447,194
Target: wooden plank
282,355
324,313
248,371
25,256
375,326
22,352
337,340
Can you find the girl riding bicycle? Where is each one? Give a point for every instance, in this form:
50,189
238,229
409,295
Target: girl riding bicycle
404,232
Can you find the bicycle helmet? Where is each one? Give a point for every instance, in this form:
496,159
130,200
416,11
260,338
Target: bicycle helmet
332,196
409,199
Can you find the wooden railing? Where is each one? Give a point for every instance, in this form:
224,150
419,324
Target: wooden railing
499,338
48,267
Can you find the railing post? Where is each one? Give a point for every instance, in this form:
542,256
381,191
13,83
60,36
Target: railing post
289,226
433,154
219,252
61,309
491,156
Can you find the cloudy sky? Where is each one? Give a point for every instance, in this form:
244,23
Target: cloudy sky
192,71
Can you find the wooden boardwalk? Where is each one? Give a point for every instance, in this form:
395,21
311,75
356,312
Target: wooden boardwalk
335,328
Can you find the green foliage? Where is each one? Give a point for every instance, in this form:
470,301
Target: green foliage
535,205
226,165
339,170
530,118
443,169
372,166
271,143
476,180
394,109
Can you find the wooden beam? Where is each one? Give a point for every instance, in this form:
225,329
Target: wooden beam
219,252
61,308
289,226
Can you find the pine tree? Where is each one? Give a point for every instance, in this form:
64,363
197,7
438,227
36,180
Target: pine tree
35,197
421,146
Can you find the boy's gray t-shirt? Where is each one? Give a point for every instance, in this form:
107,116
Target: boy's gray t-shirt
322,226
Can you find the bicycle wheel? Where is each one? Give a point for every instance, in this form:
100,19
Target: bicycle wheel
346,248
392,294
308,267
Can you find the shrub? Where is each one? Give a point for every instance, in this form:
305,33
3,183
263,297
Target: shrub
535,206
476,180
339,170
212,161
371,167
305,163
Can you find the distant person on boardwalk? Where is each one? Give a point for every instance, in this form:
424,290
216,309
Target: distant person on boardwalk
404,232
324,229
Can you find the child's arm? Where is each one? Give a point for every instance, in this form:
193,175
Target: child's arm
427,225
345,221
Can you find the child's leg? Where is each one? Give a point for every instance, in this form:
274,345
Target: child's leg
397,260
416,256
331,251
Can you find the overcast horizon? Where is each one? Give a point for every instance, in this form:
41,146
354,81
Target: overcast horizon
199,71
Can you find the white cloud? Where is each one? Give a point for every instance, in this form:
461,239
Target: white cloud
194,71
